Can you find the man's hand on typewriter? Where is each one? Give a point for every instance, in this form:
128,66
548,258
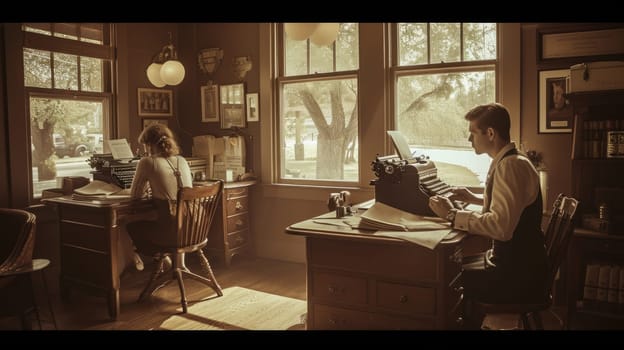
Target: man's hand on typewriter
440,205
463,194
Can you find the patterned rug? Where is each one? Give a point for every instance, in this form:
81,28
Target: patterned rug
241,309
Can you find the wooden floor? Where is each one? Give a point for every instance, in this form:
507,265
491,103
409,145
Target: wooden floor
86,312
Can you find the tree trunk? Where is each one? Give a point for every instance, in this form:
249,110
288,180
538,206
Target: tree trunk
43,152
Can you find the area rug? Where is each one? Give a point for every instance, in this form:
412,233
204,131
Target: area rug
241,309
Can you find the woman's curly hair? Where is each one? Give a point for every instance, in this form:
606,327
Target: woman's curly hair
160,136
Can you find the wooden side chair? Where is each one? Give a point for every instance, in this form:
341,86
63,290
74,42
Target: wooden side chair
17,242
557,237
195,210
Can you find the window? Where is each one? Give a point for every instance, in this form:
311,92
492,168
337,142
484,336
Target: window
445,69
68,88
318,115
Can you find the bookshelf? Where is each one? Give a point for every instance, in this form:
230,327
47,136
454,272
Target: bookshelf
597,181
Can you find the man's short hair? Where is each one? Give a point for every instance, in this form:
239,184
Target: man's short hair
491,115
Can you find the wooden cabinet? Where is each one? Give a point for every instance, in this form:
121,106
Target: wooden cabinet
596,180
230,231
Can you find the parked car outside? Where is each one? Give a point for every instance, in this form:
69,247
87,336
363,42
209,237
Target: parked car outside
82,148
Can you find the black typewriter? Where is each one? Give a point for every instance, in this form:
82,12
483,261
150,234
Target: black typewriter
120,173
408,184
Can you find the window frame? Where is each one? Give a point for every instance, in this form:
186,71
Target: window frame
53,44
279,81
375,105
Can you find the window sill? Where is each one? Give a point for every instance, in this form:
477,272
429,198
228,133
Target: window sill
307,192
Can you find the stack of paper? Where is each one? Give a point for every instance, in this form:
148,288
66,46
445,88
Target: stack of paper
383,217
100,190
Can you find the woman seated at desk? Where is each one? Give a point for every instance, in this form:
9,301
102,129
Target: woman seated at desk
162,173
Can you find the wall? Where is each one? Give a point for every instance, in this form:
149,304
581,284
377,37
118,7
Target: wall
4,143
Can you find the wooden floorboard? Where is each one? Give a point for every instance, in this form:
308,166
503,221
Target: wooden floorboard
87,312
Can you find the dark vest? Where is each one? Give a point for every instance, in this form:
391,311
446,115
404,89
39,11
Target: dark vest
525,251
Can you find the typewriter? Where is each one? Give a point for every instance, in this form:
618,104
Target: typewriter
406,182
121,172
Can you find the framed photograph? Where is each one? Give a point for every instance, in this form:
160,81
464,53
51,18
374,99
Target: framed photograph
210,103
556,115
596,43
147,122
232,99
155,102
253,112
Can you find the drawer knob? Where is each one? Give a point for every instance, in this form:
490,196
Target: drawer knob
403,299
239,223
240,239
238,205
331,289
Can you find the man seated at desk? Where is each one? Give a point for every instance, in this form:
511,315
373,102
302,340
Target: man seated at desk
514,270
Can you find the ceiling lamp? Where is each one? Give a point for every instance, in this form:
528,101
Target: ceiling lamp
165,68
325,34
299,31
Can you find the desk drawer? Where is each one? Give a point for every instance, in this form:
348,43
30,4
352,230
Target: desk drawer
231,193
87,267
401,261
328,317
237,205
341,288
237,238
237,222
405,298
94,216
86,236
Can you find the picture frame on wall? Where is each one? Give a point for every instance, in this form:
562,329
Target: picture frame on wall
253,110
210,103
155,102
556,115
232,101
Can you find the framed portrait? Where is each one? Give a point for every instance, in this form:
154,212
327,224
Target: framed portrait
232,99
147,122
210,103
155,102
556,115
253,111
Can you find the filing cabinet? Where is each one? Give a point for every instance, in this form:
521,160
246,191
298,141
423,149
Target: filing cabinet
230,232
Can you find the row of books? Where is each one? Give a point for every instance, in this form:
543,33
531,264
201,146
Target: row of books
600,139
604,283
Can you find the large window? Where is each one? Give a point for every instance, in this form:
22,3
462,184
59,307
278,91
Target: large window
318,114
67,70
445,69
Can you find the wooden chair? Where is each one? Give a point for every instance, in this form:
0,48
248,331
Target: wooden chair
557,237
195,210
17,243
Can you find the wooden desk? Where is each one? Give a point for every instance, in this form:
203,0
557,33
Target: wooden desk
359,281
89,233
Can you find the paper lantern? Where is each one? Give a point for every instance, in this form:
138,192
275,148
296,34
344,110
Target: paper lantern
325,34
299,31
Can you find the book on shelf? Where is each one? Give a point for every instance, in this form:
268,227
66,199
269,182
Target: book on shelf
383,217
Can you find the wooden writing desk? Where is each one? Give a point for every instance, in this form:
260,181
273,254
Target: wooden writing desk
89,234
356,280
